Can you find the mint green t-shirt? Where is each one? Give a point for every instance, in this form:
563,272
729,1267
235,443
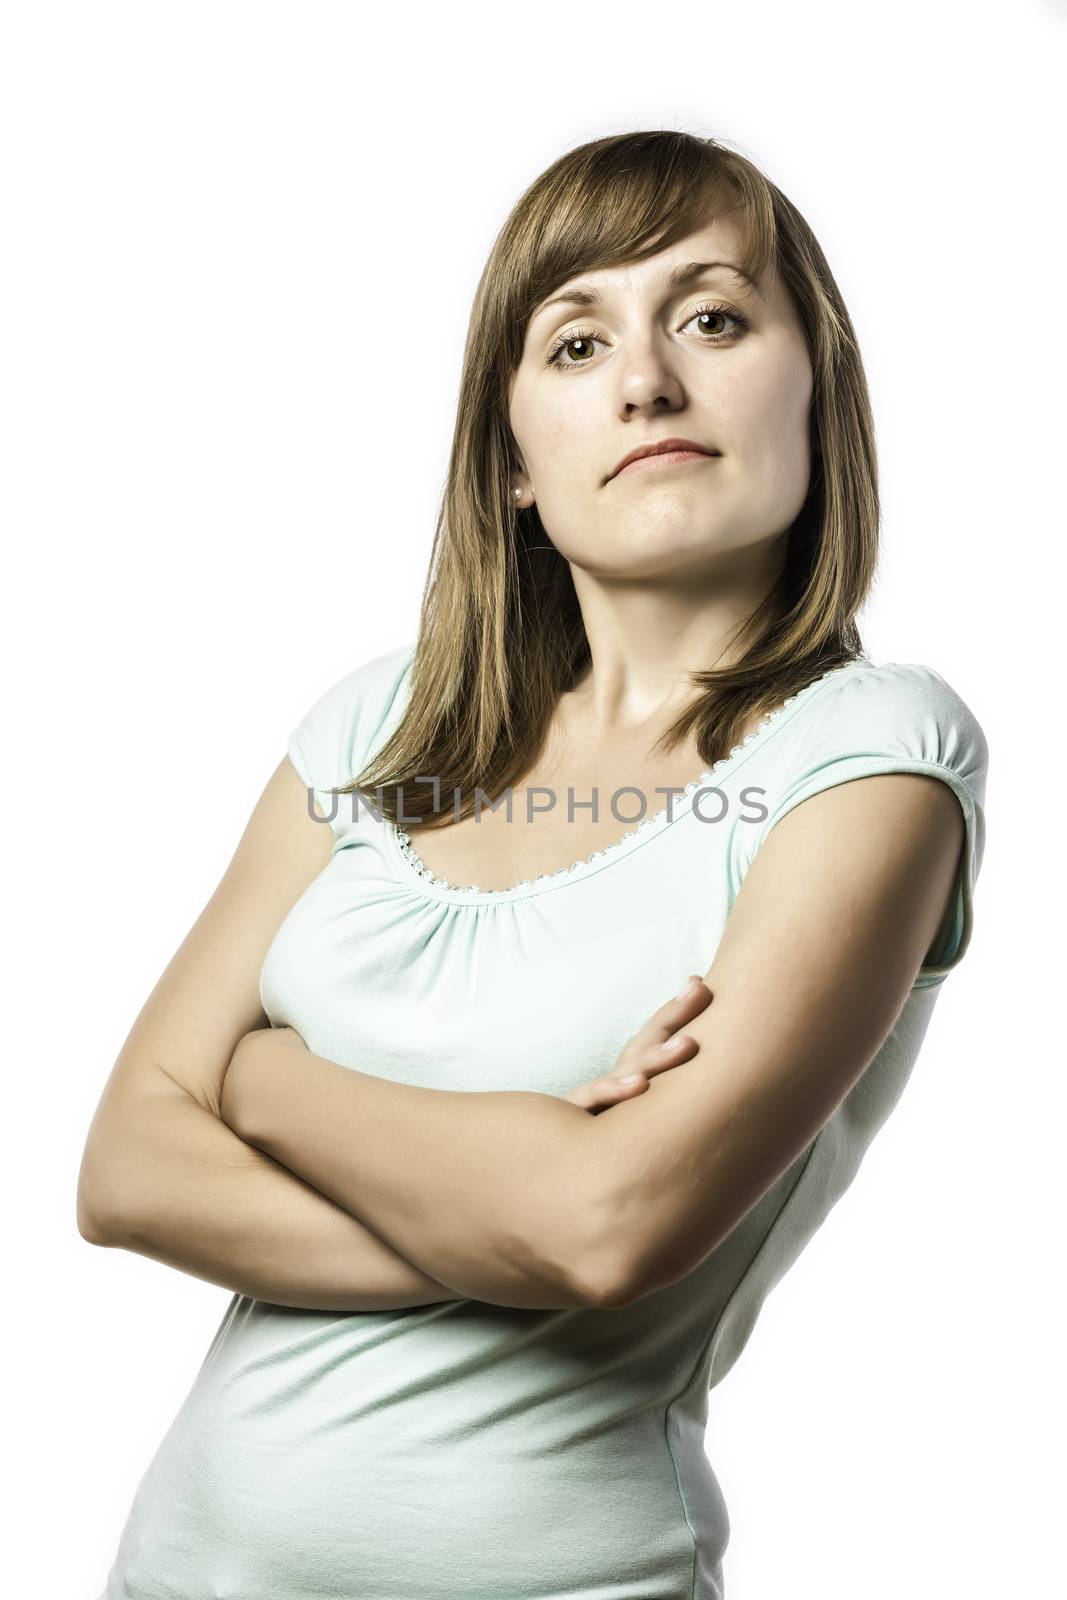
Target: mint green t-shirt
466,1451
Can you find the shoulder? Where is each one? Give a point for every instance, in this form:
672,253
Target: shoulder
870,720
337,732
895,711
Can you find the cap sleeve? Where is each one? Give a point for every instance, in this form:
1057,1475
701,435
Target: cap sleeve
337,735
897,717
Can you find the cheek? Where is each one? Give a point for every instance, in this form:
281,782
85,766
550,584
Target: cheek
568,421
770,428
549,430
564,449
768,397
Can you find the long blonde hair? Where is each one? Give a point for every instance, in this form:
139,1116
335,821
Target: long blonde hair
500,634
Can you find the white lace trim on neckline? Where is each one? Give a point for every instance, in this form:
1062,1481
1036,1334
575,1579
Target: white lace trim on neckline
423,871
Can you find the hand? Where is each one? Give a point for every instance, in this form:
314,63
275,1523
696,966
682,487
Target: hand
239,1079
644,1056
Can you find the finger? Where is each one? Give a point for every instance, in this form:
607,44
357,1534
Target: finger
664,1023
671,1016
624,1088
604,1092
660,1057
626,1080
601,1091
679,1010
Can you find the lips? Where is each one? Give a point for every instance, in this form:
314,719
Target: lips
662,447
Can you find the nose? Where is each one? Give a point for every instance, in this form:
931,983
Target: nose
649,383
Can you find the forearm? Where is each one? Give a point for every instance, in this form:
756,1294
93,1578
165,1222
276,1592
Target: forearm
196,1197
481,1190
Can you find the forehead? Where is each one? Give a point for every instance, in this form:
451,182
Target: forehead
711,253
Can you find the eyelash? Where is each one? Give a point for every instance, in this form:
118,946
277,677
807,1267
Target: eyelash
552,359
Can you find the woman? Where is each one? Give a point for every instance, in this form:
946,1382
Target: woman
472,1340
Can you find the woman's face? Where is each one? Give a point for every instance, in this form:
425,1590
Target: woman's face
651,368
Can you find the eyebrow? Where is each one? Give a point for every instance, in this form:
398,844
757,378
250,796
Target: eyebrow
677,278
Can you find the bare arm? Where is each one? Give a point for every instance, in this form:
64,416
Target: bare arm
824,942
483,1190
162,1175
225,1212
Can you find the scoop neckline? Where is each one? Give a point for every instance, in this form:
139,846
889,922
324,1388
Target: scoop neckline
419,876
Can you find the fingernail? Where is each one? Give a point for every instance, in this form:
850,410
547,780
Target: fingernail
684,990
632,1077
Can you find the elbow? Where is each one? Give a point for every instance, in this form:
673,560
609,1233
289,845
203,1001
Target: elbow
601,1280
609,1292
97,1216
599,1271
569,1235
613,1289
620,1265
91,1224
573,1278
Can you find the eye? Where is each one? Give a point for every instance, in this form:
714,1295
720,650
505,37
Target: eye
586,336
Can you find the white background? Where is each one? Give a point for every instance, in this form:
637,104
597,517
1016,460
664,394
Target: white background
241,246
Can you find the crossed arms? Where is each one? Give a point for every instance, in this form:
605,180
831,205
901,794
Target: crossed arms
523,1199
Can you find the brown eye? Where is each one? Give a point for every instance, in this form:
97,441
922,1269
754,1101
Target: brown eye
579,337
703,312
580,340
